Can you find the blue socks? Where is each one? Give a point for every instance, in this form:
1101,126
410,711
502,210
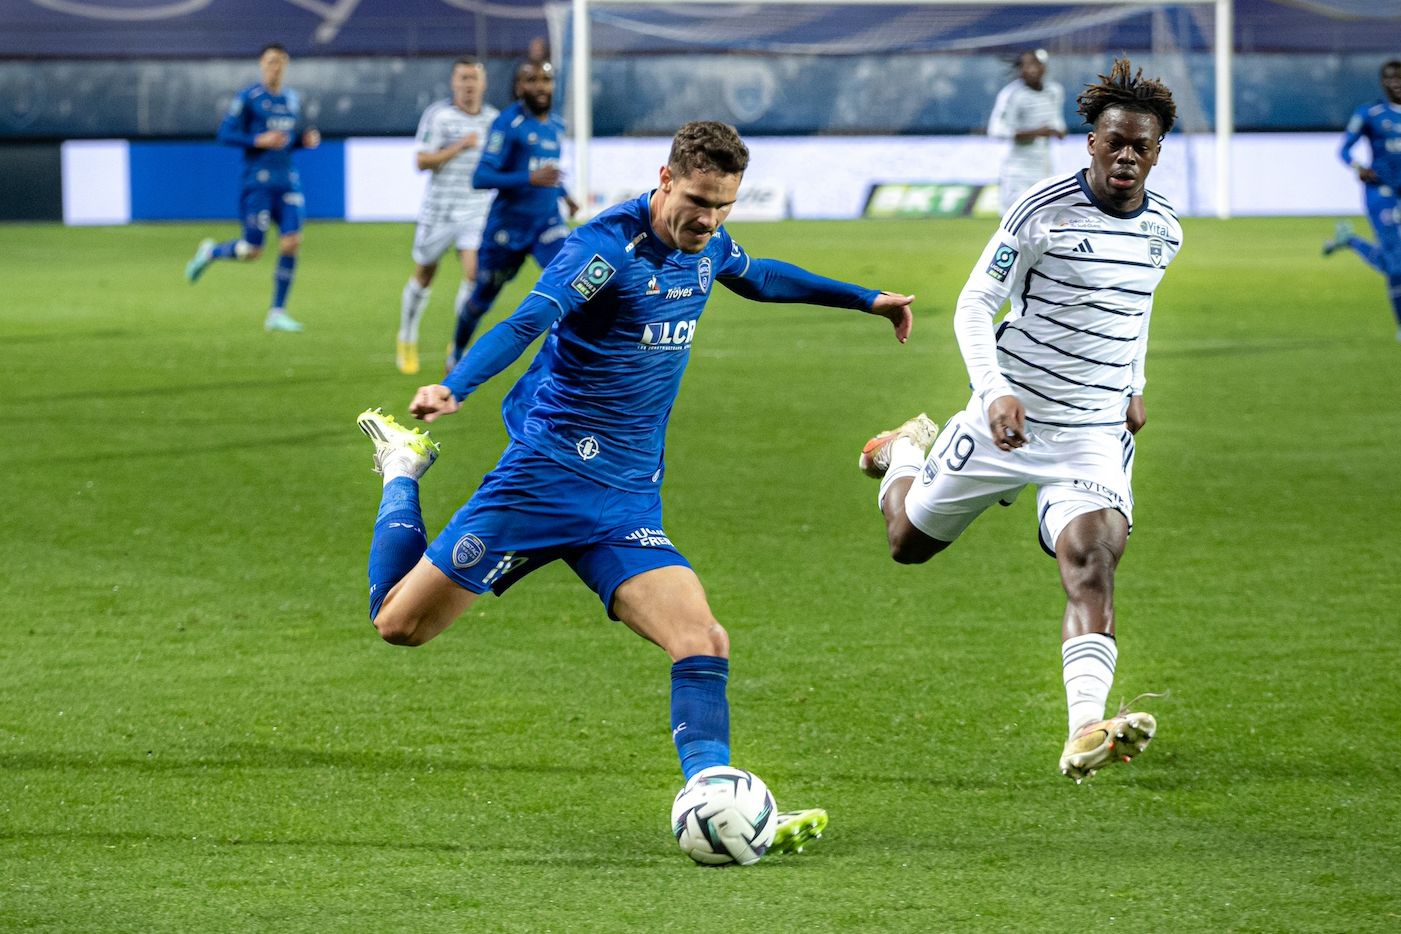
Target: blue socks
282,280
1393,284
700,715
226,249
399,539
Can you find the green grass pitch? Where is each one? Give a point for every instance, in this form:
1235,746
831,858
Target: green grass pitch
201,731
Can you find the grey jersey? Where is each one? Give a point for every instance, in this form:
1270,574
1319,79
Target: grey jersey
450,197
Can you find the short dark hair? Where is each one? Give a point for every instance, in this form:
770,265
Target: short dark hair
469,60
273,47
1129,91
708,146
1394,63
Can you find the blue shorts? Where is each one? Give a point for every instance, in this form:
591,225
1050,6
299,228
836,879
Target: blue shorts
504,248
530,510
260,207
1384,211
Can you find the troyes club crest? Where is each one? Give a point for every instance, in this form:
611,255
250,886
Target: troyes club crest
703,273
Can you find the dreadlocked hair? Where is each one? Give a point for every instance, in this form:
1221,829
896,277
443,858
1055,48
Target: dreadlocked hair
1131,91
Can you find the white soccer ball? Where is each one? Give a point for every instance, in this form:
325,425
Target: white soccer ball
724,815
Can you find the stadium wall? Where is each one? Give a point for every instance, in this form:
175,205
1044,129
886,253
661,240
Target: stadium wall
374,179
781,95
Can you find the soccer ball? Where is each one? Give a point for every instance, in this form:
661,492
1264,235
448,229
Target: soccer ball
724,815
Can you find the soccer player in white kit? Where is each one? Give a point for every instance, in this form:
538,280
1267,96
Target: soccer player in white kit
1027,112
1057,393
451,135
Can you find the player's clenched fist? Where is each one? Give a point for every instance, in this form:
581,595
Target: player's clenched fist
432,401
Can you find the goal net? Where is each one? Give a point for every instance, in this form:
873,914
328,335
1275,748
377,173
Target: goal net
876,69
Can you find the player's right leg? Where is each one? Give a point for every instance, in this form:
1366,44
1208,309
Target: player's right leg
430,242
896,457
410,599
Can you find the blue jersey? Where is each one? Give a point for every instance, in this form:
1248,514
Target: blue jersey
623,310
1380,123
519,144
254,110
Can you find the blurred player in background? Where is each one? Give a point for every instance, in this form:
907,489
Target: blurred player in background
522,163
1057,393
264,119
1380,123
451,135
1029,111
581,478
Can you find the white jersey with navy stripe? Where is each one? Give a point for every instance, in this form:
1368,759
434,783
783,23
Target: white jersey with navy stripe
1080,277
450,197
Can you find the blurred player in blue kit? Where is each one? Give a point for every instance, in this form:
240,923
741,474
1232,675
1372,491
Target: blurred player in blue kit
581,478
521,162
264,119
1380,123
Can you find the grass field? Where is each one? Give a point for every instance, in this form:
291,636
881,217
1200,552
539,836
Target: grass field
201,731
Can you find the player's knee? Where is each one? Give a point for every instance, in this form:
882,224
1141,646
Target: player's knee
911,549
704,636
398,628
1090,569
289,244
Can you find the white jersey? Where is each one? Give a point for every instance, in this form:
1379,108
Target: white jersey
450,197
1080,277
1018,109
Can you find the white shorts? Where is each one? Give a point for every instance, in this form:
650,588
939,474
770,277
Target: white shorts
1075,471
431,240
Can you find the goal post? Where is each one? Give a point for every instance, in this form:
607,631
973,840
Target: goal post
572,26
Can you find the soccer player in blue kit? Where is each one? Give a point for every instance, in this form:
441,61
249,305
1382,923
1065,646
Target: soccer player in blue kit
580,480
263,119
521,162
1380,123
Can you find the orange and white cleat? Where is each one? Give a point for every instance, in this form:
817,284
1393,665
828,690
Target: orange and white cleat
875,456
1097,744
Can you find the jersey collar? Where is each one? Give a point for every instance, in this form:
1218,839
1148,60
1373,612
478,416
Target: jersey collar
1083,178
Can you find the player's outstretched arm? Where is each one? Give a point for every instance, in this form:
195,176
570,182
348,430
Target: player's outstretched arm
431,402
771,280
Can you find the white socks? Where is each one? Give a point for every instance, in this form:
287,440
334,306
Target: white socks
1088,667
415,299
906,460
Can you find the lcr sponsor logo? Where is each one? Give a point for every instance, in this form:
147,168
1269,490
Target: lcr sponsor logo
668,335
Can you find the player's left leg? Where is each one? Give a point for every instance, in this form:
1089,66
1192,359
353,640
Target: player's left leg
498,264
1386,220
287,213
253,208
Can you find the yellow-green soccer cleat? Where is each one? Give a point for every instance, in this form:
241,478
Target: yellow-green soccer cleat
1103,742
875,456
406,357
204,255
796,829
406,451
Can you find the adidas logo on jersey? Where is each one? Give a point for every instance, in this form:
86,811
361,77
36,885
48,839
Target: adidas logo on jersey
1083,247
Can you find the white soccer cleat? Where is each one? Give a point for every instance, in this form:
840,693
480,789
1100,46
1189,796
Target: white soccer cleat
875,456
204,255
279,320
403,451
1342,233
796,829
1103,742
